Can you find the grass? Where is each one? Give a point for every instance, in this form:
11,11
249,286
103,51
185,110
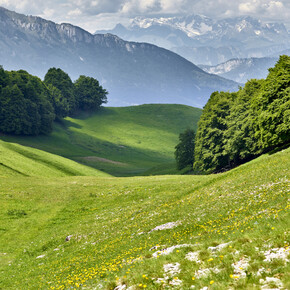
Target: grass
125,141
17,160
110,220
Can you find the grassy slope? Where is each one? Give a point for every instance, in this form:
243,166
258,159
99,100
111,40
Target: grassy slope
17,160
110,220
134,138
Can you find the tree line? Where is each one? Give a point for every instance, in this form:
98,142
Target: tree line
237,127
29,106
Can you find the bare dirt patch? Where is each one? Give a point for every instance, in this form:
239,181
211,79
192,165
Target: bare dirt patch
104,160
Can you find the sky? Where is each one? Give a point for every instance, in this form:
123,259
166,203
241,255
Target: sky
94,15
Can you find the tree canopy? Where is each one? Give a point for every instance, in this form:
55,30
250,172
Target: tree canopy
28,106
236,127
89,94
24,105
59,79
184,150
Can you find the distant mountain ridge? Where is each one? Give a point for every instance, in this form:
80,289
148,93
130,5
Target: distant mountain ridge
207,41
133,73
242,69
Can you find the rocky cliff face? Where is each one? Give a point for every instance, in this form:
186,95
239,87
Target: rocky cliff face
133,73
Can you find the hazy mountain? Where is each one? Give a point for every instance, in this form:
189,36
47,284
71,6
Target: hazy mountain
133,73
242,69
207,41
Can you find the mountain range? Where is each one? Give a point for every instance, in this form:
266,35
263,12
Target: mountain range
242,69
207,41
133,73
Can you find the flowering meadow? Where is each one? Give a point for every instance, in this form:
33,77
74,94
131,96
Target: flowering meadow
222,231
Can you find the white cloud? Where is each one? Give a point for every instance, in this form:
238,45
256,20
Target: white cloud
246,7
75,12
98,14
261,6
140,7
48,13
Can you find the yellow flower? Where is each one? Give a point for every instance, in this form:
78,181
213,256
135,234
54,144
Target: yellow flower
193,278
144,286
143,276
231,276
211,282
209,260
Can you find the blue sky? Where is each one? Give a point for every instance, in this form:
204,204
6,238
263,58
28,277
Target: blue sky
105,14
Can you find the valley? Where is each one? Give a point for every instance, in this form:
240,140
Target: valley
110,222
116,179
67,225
131,140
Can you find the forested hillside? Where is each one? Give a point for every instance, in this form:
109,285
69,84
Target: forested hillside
236,127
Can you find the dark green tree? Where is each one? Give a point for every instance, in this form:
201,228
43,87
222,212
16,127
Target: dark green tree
273,107
89,94
235,127
61,80
184,150
12,110
210,137
240,140
3,78
24,105
60,104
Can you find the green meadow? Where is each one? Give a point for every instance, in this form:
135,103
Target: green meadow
67,221
124,141
111,222
17,160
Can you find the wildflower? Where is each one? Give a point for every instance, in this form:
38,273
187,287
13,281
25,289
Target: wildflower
211,282
209,260
193,278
